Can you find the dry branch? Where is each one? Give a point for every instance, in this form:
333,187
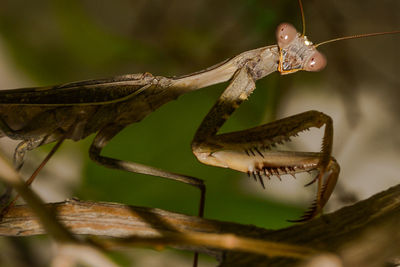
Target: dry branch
341,232
146,226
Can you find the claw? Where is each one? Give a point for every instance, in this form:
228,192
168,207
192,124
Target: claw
324,192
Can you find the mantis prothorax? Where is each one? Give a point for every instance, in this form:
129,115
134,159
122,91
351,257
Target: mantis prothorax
39,116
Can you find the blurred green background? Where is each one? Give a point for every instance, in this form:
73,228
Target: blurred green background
59,41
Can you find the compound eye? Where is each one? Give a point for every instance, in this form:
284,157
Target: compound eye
285,33
316,62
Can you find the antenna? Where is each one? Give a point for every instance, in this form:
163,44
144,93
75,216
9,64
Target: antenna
303,20
356,37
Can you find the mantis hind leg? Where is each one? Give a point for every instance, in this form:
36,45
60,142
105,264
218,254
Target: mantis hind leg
32,143
19,154
57,134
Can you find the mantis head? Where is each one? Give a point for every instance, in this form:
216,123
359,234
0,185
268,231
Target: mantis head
296,52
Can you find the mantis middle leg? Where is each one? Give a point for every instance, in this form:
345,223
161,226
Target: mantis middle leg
107,133
249,151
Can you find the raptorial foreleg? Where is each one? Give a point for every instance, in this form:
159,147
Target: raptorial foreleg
249,151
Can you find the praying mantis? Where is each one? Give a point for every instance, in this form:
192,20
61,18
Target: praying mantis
76,110
38,116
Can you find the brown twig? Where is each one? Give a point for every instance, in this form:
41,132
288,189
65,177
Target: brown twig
147,226
336,232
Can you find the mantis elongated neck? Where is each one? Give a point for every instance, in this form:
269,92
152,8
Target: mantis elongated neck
224,71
